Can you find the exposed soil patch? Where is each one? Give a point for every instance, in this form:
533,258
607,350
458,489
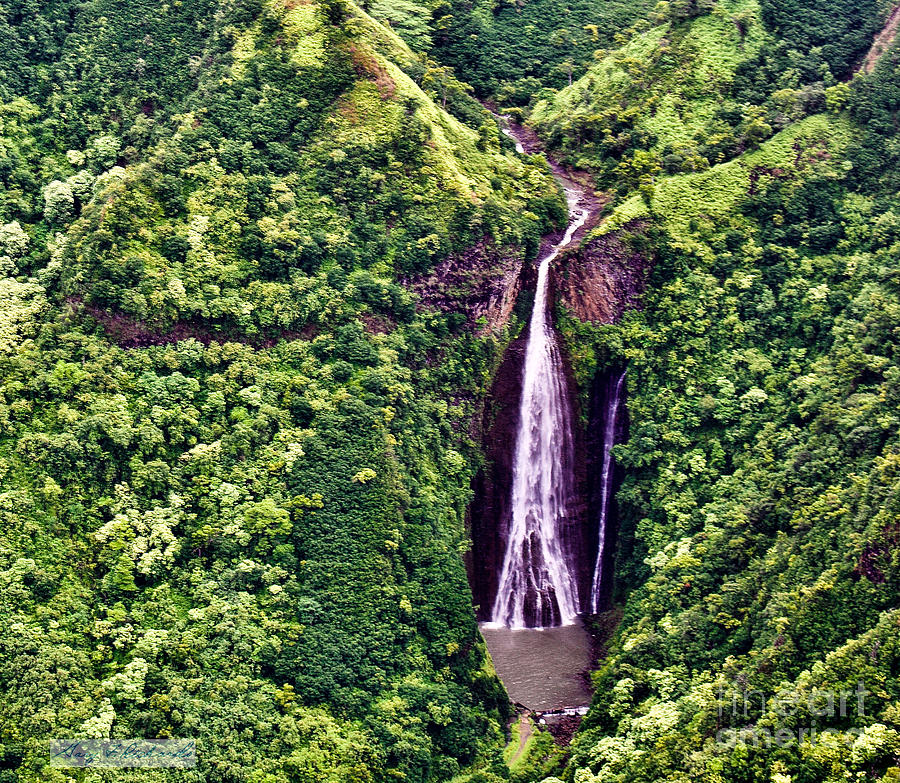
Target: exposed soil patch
377,324
366,65
882,41
526,729
876,557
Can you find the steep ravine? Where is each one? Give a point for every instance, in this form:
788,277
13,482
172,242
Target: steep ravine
596,279
595,283
490,511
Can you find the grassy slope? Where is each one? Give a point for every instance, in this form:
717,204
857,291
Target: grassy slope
715,194
660,90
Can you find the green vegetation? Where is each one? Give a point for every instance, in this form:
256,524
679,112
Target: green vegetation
707,83
234,453
513,50
758,546
828,34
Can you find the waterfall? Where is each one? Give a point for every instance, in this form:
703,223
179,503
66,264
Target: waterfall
606,484
538,584
520,148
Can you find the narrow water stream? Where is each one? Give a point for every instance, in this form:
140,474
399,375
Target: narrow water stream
607,476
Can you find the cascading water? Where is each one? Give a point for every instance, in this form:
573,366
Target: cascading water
606,485
520,148
538,585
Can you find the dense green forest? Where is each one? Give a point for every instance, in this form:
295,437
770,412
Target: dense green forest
758,545
237,450
235,457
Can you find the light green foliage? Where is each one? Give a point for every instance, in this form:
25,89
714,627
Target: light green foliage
13,240
304,32
20,304
758,550
663,93
837,97
59,202
13,244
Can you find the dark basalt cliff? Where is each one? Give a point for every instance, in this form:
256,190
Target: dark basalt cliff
599,413
482,282
490,511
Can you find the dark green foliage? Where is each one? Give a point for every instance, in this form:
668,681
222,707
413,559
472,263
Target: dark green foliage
875,103
270,160
103,64
235,457
277,522
232,491
837,31
514,49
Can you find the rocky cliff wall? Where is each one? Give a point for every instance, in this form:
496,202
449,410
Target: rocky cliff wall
603,278
482,282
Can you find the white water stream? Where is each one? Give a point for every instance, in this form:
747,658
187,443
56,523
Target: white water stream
538,586
606,485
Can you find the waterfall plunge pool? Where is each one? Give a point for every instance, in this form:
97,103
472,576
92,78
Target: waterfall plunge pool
542,668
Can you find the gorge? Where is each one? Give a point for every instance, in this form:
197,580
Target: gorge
314,443
549,537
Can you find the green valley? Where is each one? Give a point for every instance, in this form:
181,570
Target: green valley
267,283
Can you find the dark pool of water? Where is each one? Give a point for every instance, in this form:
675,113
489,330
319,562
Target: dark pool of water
542,669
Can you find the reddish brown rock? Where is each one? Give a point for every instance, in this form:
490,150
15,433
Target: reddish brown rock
602,279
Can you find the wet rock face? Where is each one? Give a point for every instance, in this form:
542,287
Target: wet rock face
490,511
580,531
602,279
598,282
600,414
